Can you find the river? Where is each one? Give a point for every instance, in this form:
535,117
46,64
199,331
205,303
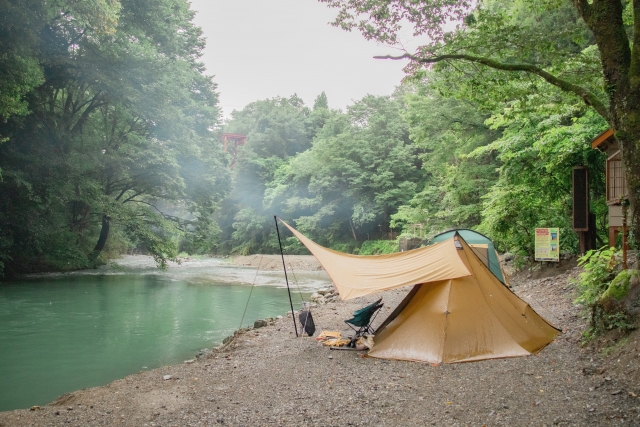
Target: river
63,332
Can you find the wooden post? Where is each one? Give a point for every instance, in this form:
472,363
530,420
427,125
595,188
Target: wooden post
624,236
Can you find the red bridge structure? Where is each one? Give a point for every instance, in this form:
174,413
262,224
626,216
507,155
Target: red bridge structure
231,141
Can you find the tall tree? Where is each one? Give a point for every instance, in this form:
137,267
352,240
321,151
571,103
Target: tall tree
119,132
276,130
447,130
495,38
361,168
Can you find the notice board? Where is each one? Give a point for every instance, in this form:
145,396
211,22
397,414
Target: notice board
547,244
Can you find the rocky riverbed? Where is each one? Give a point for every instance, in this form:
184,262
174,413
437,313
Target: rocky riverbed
274,262
268,377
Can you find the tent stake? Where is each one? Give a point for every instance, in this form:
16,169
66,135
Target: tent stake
293,314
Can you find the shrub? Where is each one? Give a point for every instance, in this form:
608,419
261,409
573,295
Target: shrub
377,247
599,290
599,269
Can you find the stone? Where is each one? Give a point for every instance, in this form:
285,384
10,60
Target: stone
260,323
166,377
622,294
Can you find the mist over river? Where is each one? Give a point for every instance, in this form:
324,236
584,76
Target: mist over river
63,332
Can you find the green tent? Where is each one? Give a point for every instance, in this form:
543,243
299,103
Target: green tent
482,246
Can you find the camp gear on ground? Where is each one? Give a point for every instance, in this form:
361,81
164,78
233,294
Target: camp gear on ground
328,334
365,342
336,342
457,311
306,320
332,338
362,319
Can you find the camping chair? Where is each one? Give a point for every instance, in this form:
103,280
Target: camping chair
363,318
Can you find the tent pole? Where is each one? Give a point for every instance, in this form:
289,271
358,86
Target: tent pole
293,314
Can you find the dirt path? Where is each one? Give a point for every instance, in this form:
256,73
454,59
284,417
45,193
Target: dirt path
267,377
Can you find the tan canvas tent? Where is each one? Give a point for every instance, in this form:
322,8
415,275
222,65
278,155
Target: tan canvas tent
457,311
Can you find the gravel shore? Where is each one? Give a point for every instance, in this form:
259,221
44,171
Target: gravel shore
274,262
268,377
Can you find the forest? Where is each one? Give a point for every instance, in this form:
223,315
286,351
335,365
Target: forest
110,133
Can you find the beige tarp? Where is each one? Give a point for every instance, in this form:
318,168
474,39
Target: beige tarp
458,311
357,276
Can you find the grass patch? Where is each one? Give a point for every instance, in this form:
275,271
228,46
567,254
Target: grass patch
615,346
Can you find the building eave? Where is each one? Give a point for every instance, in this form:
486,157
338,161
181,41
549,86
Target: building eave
602,138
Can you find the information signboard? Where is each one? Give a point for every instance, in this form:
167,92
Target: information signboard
547,244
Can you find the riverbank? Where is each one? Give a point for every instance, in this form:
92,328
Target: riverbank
268,377
274,262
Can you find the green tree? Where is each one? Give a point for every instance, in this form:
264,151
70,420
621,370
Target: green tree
21,39
447,131
361,168
498,39
538,152
119,133
321,102
276,130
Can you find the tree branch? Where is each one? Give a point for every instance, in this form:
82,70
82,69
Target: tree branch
181,222
588,97
584,9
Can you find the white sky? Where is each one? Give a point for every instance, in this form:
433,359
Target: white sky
258,49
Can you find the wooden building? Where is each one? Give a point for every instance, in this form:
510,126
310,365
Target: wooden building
615,181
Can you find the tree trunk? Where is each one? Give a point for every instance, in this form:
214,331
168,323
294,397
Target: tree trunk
621,71
102,240
629,141
353,230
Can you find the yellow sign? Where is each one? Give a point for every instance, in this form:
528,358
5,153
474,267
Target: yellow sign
547,244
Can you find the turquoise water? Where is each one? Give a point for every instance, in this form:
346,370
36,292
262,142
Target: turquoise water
66,332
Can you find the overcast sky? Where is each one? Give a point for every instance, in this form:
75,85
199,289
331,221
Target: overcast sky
259,49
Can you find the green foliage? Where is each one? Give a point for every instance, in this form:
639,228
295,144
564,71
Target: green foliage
119,126
337,176
349,247
447,131
599,269
598,286
253,232
377,247
538,150
321,102
360,169
524,54
602,322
